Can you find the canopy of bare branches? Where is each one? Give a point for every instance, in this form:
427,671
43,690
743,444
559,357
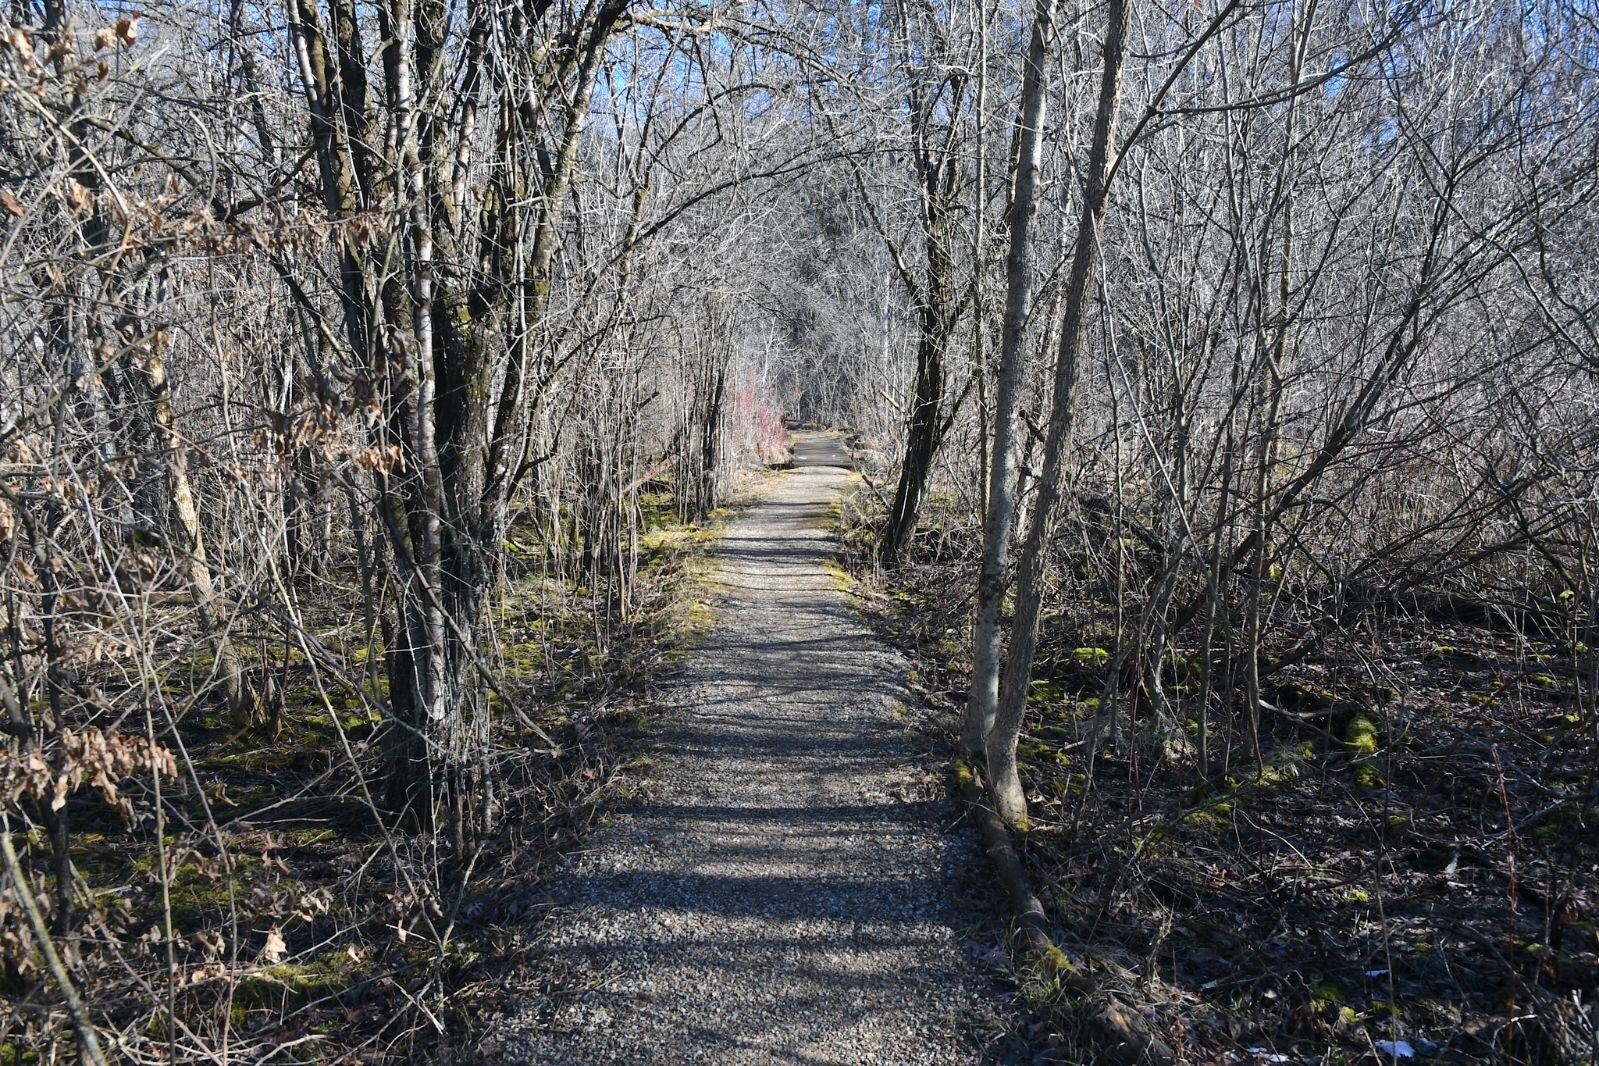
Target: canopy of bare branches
369,370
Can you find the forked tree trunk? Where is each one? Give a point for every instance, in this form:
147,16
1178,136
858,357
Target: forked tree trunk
1015,684
983,699
921,442
936,321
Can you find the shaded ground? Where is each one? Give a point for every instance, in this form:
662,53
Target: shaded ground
1408,874
292,924
782,895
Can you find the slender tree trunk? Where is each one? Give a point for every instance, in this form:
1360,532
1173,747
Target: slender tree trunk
921,442
983,700
937,316
186,523
1275,319
711,435
1001,742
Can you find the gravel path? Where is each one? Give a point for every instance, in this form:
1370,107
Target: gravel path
782,895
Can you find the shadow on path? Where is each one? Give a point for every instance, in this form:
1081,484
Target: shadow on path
783,894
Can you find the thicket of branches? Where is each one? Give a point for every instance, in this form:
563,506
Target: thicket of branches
1238,338
326,327
1229,316
326,324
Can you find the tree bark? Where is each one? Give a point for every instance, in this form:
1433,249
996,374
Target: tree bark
1001,742
983,700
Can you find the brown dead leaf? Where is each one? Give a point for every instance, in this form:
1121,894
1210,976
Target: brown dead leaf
127,28
78,198
275,950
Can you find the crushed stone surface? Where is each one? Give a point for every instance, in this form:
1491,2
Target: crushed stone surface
785,893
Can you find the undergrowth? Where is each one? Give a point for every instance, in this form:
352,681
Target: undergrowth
1406,871
254,900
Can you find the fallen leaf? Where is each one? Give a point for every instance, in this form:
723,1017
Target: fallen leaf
276,950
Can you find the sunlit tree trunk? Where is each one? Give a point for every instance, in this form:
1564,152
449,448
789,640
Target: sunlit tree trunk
1015,684
982,702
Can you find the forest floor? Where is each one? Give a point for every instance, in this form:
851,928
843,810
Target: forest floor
273,914
788,888
1408,872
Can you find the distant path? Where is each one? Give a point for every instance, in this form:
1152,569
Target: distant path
782,896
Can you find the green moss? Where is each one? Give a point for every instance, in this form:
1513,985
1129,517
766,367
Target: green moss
1268,777
835,516
1209,820
1090,656
293,984
1032,750
524,660
1366,776
1326,996
1384,1008
1068,786
843,581
963,775
1357,895
1360,736
197,891
1045,691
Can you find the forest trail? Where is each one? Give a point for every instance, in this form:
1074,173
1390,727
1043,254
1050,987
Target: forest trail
783,894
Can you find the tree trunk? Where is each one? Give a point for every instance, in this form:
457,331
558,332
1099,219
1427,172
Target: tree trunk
983,700
921,441
185,518
1002,738
936,319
